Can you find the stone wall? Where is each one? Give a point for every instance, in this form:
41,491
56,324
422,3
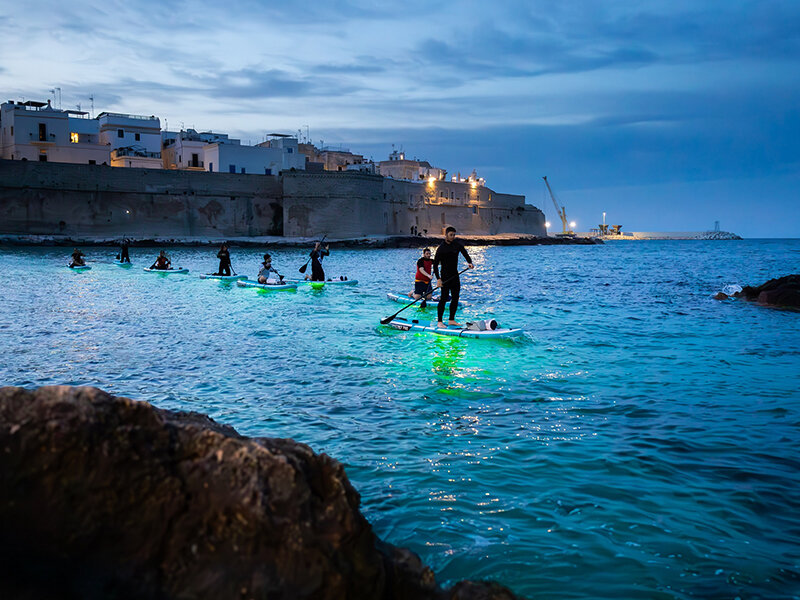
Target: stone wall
89,200
81,200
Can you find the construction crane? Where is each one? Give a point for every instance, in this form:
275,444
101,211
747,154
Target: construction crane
561,211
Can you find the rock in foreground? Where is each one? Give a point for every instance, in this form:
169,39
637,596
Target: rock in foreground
784,291
106,497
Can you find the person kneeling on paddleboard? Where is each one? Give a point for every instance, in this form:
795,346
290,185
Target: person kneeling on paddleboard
317,274
77,259
422,279
447,255
163,263
265,274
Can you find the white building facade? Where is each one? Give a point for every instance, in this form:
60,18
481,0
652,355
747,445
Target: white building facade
133,140
399,167
37,131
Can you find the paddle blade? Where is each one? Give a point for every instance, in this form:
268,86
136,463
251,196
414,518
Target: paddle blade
303,268
387,320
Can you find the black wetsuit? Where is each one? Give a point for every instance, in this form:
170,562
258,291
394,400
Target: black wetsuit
447,255
317,274
224,262
123,254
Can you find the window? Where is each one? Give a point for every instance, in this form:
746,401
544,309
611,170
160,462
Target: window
74,137
267,171
243,171
195,160
43,158
42,132
231,168
210,167
474,210
12,130
120,133
289,150
137,137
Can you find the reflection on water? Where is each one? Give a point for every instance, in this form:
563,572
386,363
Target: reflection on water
640,441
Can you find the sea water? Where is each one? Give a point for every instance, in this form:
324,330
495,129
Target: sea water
640,441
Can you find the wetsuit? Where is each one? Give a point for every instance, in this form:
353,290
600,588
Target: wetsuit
317,274
123,254
447,256
162,263
224,262
77,260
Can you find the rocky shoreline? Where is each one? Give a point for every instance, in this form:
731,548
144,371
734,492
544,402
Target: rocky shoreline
782,292
106,497
288,242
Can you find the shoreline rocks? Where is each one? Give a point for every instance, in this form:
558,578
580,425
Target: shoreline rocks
284,242
107,497
781,292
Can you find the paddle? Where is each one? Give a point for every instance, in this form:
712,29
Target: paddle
305,266
388,320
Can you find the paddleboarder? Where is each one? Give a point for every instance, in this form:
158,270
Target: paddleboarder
224,257
422,278
264,274
163,263
447,255
77,259
123,251
317,274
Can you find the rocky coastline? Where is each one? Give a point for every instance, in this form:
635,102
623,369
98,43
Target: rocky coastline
107,497
296,242
783,292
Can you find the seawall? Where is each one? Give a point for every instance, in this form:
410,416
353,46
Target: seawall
94,201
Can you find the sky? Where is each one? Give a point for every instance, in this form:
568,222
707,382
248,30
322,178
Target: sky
668,115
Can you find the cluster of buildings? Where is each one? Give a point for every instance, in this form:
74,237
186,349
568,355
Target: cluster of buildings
36,131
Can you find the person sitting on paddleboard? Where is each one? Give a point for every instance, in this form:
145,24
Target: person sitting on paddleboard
265,275
123,252
224,257
447,255
317,274
77,259
163,263
422,279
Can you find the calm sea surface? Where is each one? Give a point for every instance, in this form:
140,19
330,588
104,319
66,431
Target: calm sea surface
641,441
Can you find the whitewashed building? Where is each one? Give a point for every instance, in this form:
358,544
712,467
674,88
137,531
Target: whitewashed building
218,153
399,167
37,131
133,140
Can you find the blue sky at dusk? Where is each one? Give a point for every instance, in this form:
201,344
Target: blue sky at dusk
668,115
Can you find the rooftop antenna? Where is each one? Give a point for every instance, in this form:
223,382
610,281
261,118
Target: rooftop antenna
91,98
78,106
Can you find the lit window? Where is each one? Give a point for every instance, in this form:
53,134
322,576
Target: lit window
73,137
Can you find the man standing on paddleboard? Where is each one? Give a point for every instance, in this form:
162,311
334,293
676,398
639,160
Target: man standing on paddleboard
447,255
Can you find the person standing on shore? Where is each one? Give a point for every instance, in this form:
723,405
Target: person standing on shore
224,257
447,255
317,254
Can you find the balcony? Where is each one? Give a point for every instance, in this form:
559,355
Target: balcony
134,152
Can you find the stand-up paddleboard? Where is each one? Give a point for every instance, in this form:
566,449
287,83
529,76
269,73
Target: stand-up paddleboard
175,271
272,287
124,265
223,277
336,281
317,285
80,268
430,327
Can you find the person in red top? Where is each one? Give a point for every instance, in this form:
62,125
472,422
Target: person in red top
422,280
